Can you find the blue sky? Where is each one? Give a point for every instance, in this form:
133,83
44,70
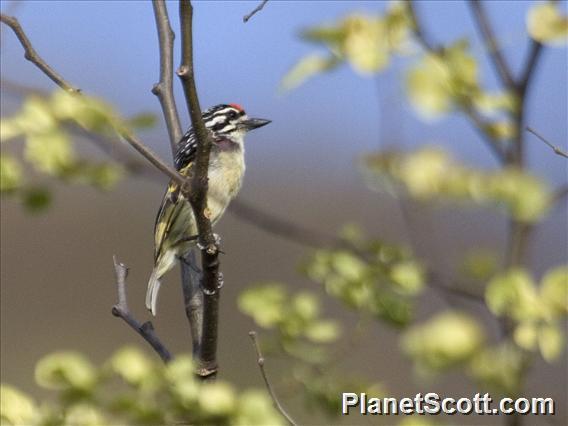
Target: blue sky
110,50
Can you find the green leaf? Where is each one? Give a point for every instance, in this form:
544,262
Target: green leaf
16,408
142,121
409,275
306,306
265,304
36,199
546,24
366,45
63,370
49,152
132,365
499,368
426,87
10,173
256,409
444,341
550,342
513,294
526,334
85,415
322,331
217,399
307,67
554,291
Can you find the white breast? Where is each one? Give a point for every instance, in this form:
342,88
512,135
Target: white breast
225,179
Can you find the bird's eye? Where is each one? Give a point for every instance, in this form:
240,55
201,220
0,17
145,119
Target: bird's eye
232,115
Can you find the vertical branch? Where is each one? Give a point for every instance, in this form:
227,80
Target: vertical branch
197,196
164,91
164,88
491,43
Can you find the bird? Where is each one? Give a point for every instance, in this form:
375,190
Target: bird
175,229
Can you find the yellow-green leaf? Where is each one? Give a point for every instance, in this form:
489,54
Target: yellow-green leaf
550,342
132,365
62,370
306,68
513,293
554,290
10,173
16,408
217,399
49,152
546,24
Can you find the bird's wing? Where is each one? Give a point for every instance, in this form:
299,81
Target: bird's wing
172,206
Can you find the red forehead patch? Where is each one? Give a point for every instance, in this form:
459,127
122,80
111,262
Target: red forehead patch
237,106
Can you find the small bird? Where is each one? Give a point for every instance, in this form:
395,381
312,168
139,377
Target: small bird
175,230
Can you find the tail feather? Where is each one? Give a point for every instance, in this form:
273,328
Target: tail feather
163,264
152,293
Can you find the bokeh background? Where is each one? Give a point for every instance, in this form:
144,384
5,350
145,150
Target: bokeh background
57,284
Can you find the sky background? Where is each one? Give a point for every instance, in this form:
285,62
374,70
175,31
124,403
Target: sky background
302,167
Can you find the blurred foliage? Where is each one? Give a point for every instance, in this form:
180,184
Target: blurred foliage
374,278
47,126
131,388
546,24
430,173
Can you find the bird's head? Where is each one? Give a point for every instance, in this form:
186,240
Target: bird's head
230,122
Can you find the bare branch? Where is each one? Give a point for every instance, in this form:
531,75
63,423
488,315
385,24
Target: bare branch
121,310
211,277
31,55
260,361
255,11
535,50
554,148
490,40
164,89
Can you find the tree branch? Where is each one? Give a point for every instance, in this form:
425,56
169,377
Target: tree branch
466,108
260,361
554,148
121,310
482,21
211,277
255,11
31,55
164,89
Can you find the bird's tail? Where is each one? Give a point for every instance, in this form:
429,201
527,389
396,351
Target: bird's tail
152,293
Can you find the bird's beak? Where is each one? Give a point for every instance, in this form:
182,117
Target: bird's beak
255,123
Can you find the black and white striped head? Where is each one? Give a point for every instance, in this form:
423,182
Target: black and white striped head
231,122
228,124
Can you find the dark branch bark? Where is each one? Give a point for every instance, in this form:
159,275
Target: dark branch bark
164,89
198,198
121,310
255,11
260,362
482,21
31,55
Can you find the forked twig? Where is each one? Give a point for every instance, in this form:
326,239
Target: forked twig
260,361
121,310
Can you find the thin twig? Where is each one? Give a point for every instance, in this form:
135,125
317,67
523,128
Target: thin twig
164,89
535,50
31,55
260,361
121,310
491,43
554,148
211,277
255,11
